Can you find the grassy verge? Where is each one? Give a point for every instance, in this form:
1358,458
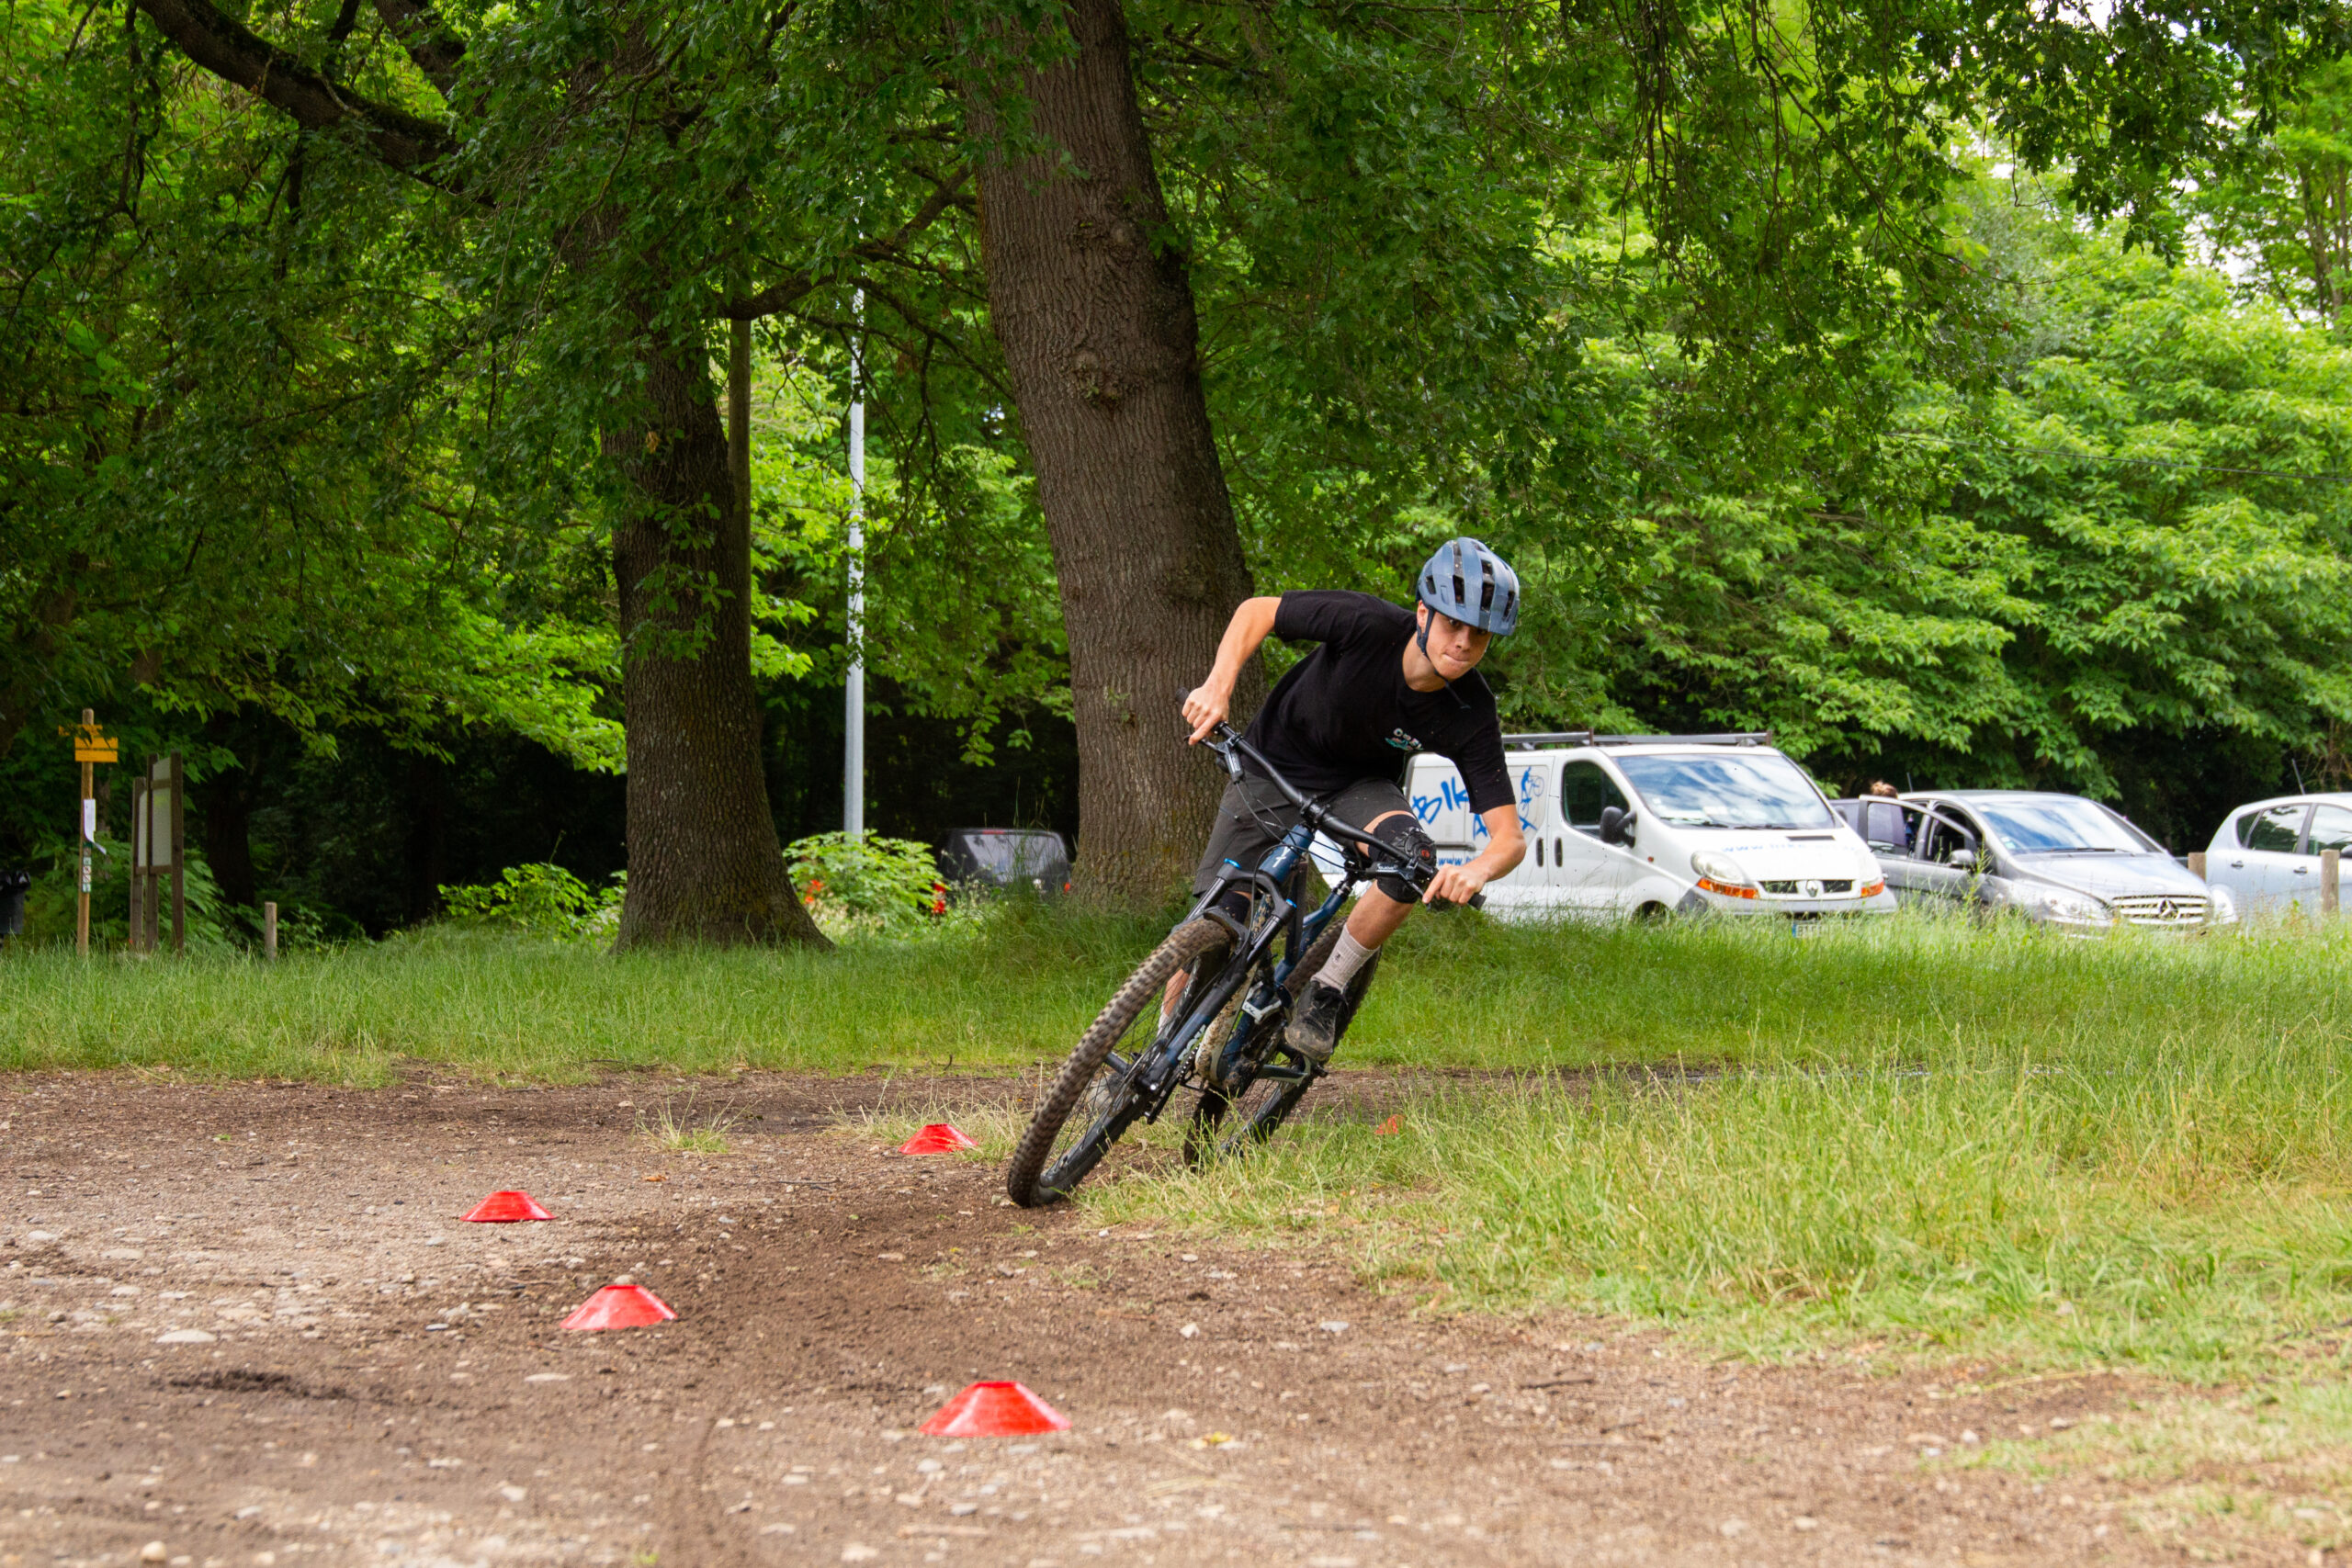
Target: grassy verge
1456,992
2168,1209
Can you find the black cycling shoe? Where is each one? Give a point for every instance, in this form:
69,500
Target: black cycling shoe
1315,1027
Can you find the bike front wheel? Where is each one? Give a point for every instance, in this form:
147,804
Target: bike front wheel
1095,1099
1229,1122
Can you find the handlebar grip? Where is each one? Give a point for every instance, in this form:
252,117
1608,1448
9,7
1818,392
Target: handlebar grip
1477,901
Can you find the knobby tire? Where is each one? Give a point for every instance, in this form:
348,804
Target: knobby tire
1037,1175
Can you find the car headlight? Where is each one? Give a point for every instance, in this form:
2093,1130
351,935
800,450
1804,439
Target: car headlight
2057,903
2224,907
1721,873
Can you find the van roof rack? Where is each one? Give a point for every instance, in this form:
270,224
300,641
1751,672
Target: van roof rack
1587,738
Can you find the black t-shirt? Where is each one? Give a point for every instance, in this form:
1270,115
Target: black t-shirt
1344,714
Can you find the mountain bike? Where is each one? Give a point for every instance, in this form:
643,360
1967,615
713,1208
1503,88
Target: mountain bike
1221,1045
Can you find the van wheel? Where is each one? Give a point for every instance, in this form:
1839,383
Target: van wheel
1651,914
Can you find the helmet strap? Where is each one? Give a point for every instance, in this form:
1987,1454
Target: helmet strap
1421,635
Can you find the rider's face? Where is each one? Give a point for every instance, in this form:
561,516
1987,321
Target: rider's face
1454,648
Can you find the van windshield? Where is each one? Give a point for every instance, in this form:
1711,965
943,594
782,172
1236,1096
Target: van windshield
2061,825
1751,789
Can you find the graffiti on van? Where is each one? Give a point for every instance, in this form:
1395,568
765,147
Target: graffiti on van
1450,797
1453,797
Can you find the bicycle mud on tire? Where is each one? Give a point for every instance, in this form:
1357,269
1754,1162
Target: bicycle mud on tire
1090,1101
1252,1117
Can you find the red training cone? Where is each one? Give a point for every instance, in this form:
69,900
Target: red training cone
995,1410
939,1138
505,1208
1394,1124
618,1306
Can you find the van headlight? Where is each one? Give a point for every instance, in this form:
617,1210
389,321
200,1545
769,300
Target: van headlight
1721,873
2058,905
2224,908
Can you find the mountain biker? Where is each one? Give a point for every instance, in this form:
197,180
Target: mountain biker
1385,682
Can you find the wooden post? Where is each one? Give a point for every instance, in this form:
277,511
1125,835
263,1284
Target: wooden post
269,931
138,864
179,855
2196,864
2331,866
86,829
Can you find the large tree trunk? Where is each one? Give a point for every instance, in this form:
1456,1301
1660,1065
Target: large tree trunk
1094,307
704,863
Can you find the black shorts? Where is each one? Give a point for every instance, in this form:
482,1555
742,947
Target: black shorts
1253,817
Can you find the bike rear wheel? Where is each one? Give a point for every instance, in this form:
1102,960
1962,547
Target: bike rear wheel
1224,1123
1093,1100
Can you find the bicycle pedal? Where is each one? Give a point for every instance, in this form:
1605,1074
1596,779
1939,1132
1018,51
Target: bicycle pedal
1259,1012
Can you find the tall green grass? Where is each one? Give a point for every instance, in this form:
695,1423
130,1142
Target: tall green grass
2167,1207
1454,992
1912,1136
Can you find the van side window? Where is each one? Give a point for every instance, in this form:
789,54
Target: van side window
1940,842
2276,830
1584,790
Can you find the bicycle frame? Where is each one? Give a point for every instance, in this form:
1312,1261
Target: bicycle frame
1274,913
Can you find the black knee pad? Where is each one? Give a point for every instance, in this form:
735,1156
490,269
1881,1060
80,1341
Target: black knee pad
1235,902
1405,836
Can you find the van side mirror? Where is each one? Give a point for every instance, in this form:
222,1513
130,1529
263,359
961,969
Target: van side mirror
1616,825
1965,852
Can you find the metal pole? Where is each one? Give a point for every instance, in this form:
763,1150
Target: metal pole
89,832
854,697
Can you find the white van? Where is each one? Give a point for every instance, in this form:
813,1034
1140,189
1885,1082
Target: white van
1646,825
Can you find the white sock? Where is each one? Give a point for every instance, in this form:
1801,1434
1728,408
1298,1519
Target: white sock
1345,960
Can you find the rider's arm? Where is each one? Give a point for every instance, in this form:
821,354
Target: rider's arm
1251,625
1506,846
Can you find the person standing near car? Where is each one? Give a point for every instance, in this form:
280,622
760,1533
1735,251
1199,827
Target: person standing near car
1385,683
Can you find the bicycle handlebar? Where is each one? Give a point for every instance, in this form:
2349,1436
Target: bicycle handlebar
1316,815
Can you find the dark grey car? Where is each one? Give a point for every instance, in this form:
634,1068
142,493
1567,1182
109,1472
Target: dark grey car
2058,860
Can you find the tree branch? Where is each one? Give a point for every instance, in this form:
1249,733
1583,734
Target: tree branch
777,297
236,55
429,44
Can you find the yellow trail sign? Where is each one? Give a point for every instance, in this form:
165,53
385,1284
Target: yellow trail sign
91,744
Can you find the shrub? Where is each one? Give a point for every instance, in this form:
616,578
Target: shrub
867,880
541,899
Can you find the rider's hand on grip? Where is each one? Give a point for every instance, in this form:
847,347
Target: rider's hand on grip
1204,710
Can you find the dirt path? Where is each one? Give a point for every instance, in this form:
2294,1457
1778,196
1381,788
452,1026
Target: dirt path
242,1322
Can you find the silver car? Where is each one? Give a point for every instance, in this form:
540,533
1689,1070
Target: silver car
2058,860
2266,854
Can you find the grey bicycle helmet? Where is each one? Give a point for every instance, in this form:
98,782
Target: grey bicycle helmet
1470,582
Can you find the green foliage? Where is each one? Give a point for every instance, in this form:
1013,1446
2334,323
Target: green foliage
233,469
867,880
2286,214
1654,296
539,899
209,924
2139,527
